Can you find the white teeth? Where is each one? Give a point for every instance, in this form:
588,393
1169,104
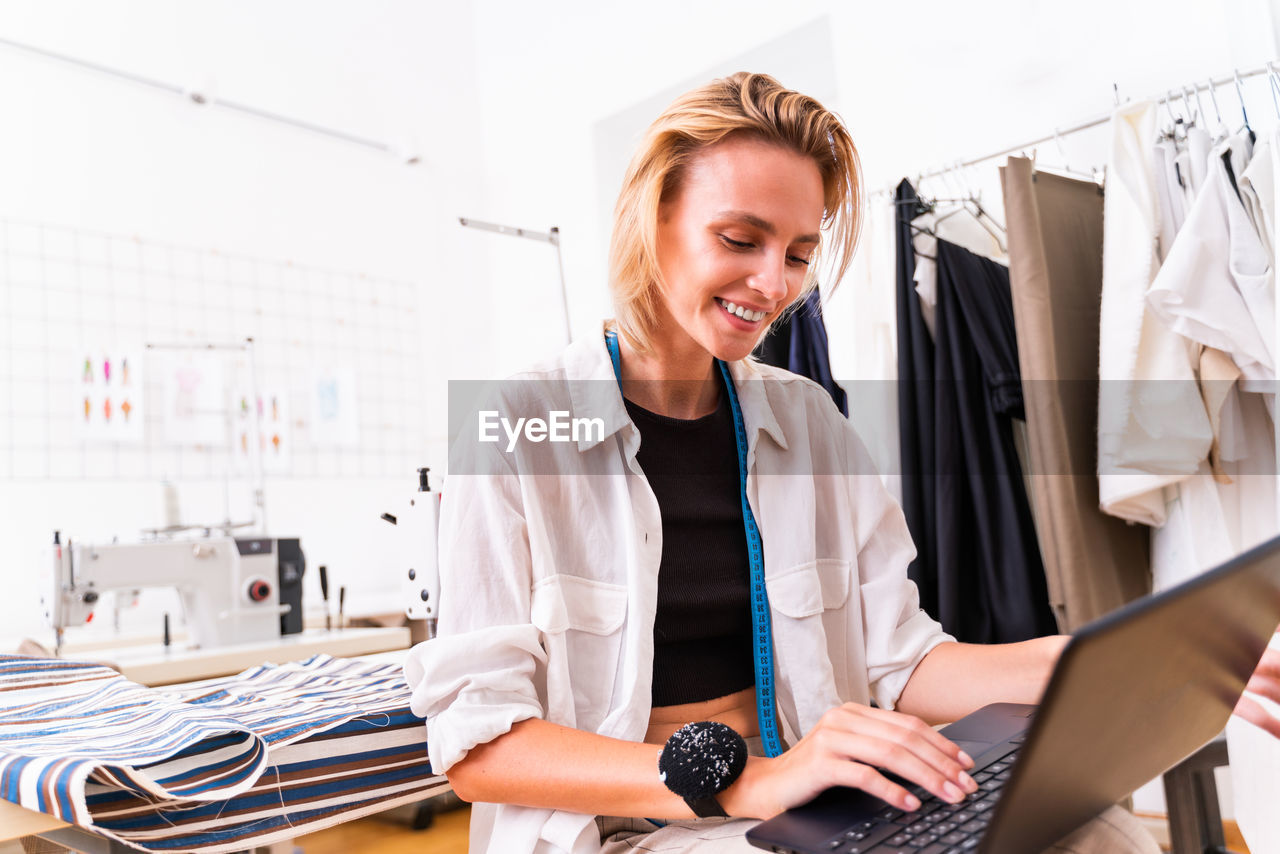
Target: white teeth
741,311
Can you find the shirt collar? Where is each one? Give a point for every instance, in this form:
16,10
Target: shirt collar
594,392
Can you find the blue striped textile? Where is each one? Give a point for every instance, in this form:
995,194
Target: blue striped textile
219,765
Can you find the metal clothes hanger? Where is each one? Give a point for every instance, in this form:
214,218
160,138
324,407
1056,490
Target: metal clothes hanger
967,200
979,211
958,194
1065,168
1191,114
991,225
1240,96
1195,90
1223,130
1177,130
1273,79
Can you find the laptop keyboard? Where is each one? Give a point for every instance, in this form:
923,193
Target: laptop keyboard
938,827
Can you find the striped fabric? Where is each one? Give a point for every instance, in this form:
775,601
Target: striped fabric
220,765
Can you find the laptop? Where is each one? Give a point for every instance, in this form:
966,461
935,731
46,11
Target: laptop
1134,693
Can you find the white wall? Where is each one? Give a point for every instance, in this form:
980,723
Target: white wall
919,84
89,151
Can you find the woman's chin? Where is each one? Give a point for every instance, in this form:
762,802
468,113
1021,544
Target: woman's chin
735,350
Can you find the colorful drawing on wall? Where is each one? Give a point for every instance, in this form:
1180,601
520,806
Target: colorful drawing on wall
277,445
109,408
273,432
194,398
335,419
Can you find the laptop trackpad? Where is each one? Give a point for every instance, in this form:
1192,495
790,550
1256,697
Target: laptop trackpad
989,726
973,748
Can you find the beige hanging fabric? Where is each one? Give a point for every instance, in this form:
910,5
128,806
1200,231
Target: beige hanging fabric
1094,563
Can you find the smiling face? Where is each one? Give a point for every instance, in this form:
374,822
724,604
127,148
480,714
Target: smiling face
733,246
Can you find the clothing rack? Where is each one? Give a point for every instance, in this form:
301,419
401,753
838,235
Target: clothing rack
1271,68
1236,77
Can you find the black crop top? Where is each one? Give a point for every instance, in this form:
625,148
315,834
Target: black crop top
702,630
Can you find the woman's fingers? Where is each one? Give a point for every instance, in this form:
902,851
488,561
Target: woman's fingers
1266,677
911,751
1264,686
1265,682
888,754
918,727
1249,709
931,745
855,775
903,760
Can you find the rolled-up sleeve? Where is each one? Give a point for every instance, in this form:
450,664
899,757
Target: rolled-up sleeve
897,632
482,672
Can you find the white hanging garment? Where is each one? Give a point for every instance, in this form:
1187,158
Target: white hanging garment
1197,149
1257,191
1215,289
1153,430
1215,286
1171,199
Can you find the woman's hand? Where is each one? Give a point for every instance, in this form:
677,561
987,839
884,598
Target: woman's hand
849,747
1265,682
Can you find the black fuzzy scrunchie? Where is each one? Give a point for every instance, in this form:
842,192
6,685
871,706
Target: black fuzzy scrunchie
702,759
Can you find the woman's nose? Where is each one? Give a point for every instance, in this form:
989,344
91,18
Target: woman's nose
770,280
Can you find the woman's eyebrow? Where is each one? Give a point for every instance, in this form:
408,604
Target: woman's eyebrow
762,224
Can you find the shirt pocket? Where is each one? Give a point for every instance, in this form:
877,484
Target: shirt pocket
581,622
811,630
810,588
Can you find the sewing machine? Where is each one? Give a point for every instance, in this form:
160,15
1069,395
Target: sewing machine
233,590
417,550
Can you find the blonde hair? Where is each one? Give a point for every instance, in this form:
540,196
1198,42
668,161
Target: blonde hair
744,104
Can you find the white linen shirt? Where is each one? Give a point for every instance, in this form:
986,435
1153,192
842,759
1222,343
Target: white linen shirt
549,579
1153,430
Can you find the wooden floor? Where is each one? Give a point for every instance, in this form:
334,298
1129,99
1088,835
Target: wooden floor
379,835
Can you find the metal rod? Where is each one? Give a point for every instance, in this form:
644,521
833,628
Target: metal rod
564,294
552,237
1076,128
305,125
93,66
204,99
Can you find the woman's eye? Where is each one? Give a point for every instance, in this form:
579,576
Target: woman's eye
798,260
735,244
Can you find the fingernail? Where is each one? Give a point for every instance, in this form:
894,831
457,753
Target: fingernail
913,803
966,760
953,793
967,782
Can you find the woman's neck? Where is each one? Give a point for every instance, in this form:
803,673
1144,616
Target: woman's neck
675,382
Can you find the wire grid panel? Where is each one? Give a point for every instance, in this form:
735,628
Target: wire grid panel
66,294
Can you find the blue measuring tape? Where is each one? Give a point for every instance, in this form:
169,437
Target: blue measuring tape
761,626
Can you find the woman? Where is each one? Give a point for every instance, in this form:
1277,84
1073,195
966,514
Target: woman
597,595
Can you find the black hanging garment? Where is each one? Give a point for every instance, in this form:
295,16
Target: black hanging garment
915,407
991,584
798,343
